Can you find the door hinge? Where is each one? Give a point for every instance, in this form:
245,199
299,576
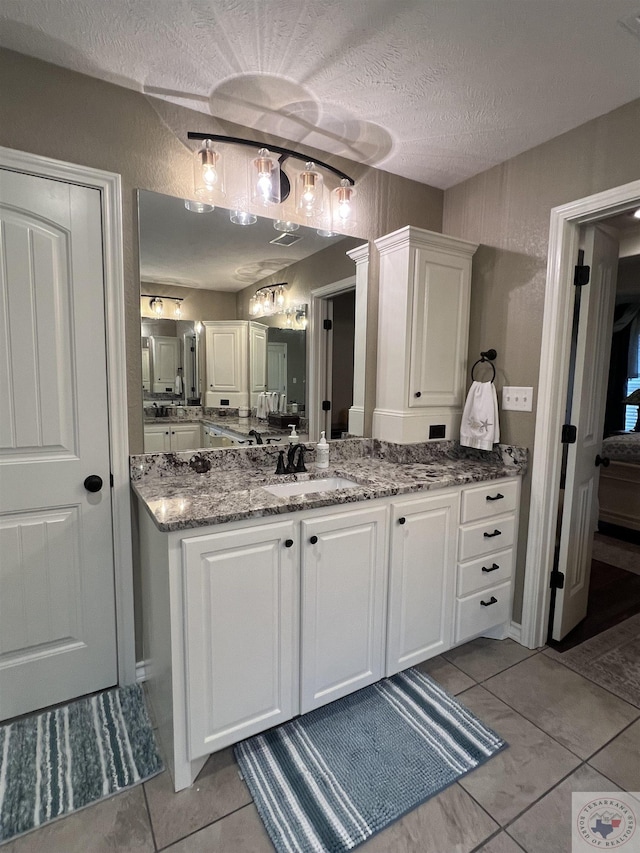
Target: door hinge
569,434
557,580
111,479
581,275
327,325
326,405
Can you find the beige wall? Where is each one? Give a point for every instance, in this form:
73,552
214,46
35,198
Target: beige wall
507,209
57,113
197,303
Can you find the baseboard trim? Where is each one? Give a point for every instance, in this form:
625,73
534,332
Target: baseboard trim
141,671
515,632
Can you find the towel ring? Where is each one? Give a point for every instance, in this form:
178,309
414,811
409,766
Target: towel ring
485,357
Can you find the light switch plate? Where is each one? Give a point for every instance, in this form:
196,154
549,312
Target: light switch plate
517,398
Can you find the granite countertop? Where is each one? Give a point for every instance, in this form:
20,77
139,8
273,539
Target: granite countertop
179,498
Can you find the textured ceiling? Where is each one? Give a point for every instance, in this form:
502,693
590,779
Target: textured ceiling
435,90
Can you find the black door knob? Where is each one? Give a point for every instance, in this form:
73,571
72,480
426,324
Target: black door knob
313,540
602,460
288,543
418,394
93,483
402,520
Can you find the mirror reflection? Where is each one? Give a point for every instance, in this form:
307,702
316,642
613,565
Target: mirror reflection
224,315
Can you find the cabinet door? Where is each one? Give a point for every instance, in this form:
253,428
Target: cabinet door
344,563
421,579
241,633
226,356
439,329
157,439
257,358
186,437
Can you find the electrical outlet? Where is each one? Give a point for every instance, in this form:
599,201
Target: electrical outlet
517,399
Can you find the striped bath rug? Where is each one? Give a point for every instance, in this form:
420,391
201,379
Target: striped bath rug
56,762
328,781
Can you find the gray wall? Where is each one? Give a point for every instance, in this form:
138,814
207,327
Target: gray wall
507,209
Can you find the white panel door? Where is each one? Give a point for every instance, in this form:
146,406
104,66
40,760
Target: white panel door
57,609
421,579
344,561
257,358
580,510
226,344
277,367
241,633
165,363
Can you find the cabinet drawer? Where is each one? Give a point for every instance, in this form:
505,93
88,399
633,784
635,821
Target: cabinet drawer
489,500
485,571
473,617
486,537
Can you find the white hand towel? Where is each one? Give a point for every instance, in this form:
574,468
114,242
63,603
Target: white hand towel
262,407
177,385
480,426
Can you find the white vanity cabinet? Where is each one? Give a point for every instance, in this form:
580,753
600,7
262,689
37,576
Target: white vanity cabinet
241,633
169,438
249,623
423,329
236,361
486,557
343,579
422,573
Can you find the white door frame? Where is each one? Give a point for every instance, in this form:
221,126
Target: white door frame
109,185
552,394
316,349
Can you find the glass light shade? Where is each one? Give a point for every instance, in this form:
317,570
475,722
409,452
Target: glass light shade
309,191
242,217
343,208
157,306
265,179
208,172
198,206
177,311
285,225
637,213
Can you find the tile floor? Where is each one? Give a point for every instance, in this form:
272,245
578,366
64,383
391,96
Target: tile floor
565,733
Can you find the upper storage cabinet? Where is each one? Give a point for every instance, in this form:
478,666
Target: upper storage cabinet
236,358
423,328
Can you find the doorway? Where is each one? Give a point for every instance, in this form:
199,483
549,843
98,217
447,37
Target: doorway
554,373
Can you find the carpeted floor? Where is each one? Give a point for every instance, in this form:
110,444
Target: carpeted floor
328,781
611,659
58,761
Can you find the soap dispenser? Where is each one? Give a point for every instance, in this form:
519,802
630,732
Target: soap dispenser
322,452
294,438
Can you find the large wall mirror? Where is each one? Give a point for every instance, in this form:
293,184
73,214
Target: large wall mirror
224,324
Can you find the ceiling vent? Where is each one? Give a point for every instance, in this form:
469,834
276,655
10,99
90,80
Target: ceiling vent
631,24
286,239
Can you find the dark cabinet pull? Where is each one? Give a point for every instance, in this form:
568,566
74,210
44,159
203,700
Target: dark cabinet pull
492,569
288,543
93,483
402,520
167,432
491,535
602,460
313,540
492,600
497,497
418,394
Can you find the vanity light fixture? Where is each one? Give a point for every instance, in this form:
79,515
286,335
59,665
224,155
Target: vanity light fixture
156,304
285,225
198,206
636,213
268,300
267,183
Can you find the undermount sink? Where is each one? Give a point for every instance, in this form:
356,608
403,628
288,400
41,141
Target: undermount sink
302,487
